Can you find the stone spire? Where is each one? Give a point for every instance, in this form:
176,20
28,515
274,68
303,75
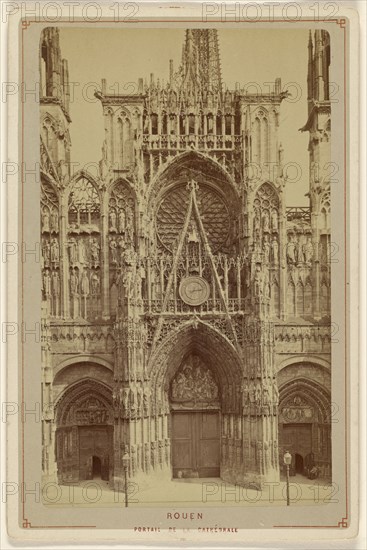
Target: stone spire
200,61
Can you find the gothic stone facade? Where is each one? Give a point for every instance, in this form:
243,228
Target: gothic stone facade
186,308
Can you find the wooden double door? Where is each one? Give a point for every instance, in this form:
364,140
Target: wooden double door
297,439
94,452
195,444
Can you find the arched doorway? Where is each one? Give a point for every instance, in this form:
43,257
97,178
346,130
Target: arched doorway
304,424
196,379
84,435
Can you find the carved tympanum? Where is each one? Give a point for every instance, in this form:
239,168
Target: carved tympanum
194,382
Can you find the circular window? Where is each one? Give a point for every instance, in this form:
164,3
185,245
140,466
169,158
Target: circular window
213,212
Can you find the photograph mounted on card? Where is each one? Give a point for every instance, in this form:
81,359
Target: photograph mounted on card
190,205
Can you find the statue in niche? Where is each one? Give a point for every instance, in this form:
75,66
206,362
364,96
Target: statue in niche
308,251
62,169
323,252
122,221
103,163
258,393
274,221
45,220
275,393
146,401
130,223
55,251
55,283
47,283
113,221
74,282
84,284
291,251
95,283
121,244
298,250
192,234
113,248
266,221
54,220
266,249
266,284
256,224
252,393
82,252
245,396
46,253
266,393
275,250
258,281
73,251
94,251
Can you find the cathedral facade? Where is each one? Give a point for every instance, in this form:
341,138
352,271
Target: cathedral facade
185,307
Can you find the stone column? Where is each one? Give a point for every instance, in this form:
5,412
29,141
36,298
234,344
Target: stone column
104,259
64,256
283,272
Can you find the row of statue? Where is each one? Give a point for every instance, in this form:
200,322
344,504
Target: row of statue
265,221
85,284
131,402
49,220
260,393
122,221
120,250
51,283
50,252
299,250
84,251
81,251
270,250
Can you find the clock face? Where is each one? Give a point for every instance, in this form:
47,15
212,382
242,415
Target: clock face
194,290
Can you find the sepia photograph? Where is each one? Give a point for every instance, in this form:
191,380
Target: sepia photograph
182,258
186,262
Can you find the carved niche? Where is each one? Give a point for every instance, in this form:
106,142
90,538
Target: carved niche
121,229
194,382
50,249
266,212
84,250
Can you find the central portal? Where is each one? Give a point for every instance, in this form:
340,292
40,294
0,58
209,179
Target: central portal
196,444
195,420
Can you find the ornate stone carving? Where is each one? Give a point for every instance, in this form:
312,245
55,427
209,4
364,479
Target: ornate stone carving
194,382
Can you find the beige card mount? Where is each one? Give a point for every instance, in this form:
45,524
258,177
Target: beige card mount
180,252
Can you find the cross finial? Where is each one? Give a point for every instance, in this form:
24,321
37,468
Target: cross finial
192,185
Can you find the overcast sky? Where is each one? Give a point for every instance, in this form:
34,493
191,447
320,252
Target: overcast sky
247,55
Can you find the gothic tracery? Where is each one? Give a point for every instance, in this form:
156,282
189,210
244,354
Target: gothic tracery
183,276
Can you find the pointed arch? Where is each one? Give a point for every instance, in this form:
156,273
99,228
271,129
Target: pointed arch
205,166
208,343
312,392
74,395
